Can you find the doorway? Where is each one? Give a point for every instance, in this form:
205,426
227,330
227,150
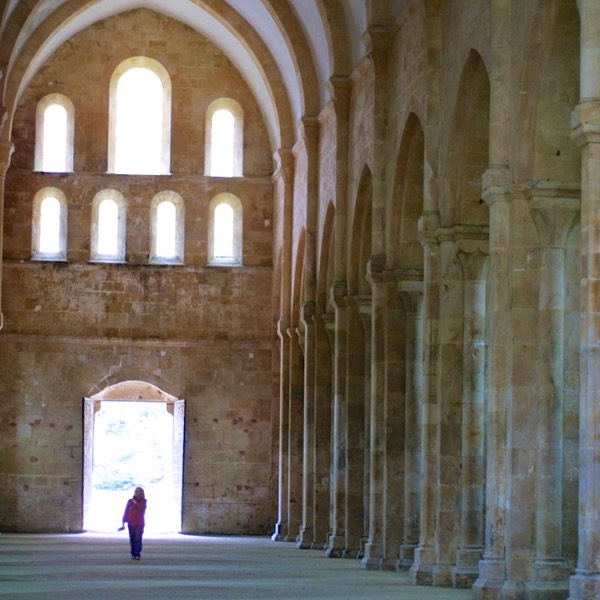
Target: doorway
133,435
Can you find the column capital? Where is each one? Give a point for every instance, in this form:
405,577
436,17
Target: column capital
284,164
585,122
6,151
428,225
495,184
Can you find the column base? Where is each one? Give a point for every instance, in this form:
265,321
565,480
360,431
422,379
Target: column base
335,546
421,572
279,533
489,584
550,580
466,570
407,556
352,553
441,576
584,586
373,557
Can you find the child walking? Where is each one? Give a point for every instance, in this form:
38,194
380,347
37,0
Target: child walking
134,517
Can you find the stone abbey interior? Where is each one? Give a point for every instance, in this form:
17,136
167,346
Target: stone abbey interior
347,245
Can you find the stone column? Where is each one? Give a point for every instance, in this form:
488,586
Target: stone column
554,217
357,435
421,572
473,255
295,436
375,547
283,200
340,91
411,294
336,542
306,535
6,150
323,324
585,584
492,567
281,527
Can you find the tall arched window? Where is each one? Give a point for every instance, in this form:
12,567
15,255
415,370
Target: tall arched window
224,138
140,117
166,229
108,227
225,230
49,232
55,116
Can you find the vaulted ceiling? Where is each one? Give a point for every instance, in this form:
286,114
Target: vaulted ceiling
287,50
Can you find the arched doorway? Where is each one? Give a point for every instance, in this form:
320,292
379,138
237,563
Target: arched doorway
133,435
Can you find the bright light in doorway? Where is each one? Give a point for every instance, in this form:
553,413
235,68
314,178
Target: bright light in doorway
133,445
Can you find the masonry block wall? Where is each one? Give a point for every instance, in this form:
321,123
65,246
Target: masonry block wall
200,333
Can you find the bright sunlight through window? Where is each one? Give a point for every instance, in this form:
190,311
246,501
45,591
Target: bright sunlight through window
108,228
223,232
166,230
139,123
54,152
50,226
222,144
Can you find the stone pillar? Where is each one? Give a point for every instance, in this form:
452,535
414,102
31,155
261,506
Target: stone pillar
357,434
492,567
281,527
339,459
295,436
421,572
375,547
585,584
323,324
306,535
554,218
411,294
283,200
473,255
394,417
6,150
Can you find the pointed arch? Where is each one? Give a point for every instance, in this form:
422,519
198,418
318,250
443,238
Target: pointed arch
403,247
468,148
361,236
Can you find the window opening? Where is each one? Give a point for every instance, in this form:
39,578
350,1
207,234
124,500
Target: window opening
108,218
222,144
108,227
223,232
140,118
54,134
166,229
50,226
224,138
55,139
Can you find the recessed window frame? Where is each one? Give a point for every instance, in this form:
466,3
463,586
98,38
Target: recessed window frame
236,110
40,131
237,243
120,255
142,62
37,226
177,201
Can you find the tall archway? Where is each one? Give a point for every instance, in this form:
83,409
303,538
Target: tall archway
168,492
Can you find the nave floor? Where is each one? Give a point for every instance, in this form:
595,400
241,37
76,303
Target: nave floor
93,566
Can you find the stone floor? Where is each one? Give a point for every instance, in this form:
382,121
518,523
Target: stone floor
98,566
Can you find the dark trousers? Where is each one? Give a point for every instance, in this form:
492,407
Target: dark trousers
135,539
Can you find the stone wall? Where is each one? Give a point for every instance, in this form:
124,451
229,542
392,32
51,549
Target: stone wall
200,333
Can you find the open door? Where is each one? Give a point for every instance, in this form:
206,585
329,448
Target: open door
131,392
